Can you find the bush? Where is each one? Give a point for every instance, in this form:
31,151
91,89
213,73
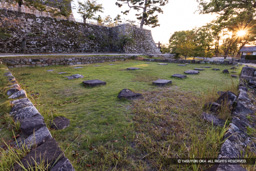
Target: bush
250,57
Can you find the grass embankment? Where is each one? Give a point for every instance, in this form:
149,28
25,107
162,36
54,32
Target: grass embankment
106,133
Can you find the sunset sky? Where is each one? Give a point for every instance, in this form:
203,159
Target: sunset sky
178,15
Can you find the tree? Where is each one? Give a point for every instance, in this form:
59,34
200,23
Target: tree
88,9
146,10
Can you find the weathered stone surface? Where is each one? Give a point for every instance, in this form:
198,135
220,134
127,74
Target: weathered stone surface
182,65
94,83
132,68
128,94
18,94
8,74
50,70
220,92
179,76
60,123
63,165
77,67
206,67
75,76
191,72
37,138
25,112
199,69
240,109
225,71
233,68
247,72
213,107
234,76
161,82
62,73
20,103
16,86
227,97
216,69
49,152
162,64
213,119
30,125
12,91
230,149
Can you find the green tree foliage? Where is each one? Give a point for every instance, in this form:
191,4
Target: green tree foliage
88,9
146,10
233,16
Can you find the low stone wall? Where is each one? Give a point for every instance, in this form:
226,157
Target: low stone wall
190,61
48,61
34,133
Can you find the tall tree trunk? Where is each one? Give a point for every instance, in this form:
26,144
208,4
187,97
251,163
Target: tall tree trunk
144,11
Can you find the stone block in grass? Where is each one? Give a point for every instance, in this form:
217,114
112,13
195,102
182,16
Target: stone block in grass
199,69
132,68
30,125
162,82
180,76
59,123
18,94
75,76
215,69
162,64
93,83
129,94
192,72
225,71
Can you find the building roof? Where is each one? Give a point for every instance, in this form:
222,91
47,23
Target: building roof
248,49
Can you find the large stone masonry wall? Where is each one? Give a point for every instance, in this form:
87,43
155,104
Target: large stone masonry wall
27,33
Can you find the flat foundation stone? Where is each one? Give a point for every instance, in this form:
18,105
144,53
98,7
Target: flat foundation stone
132,68
234,76
77,67
60,123
26,112
179,76
161,82
215,69
199,69
20,103
225,71
128,94
192,72
213,119
182,65
93,83
12,91
206,67
75,76
162,64
48,152
62,73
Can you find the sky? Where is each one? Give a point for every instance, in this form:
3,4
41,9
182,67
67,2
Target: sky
178,15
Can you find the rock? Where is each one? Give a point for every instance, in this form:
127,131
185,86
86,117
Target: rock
230,150
162,64
16,86
241,110
8,74
128,94
12,91
243,88
225,71
18,94
48,153
20,103
97,65
50,70
111,64
199,69
77,67
233,68
30,125
247,72
75,76
241,124
192,72
62,73
93,83
26,112
161,82
234,76
229,167
179,76
213,119
206,67
228,97
216,69
63,165
213,107
182,65
38,137
60,123
132,68
220,92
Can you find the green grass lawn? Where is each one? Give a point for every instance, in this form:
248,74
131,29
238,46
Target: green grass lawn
106,133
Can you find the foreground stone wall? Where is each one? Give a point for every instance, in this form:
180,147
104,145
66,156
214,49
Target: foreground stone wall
44,61
27,33
34,133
